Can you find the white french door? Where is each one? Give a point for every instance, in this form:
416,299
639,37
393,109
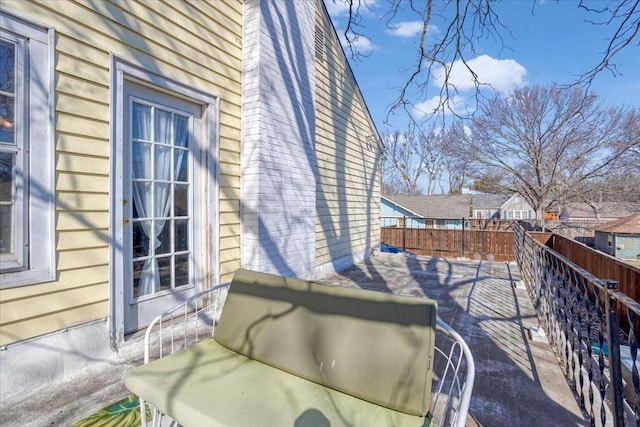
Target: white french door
160,197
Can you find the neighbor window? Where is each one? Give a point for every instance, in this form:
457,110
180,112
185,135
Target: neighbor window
26,153
518,215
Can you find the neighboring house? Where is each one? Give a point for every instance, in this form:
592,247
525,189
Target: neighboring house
392,214
152,149
619,238
603,211
517,208
433,211
448,211
488,206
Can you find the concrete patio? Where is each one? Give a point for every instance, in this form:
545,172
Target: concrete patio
518,381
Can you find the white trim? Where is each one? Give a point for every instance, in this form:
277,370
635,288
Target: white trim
121,70
39,199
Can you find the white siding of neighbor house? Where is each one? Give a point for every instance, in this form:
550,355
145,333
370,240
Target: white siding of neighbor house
347,151
196,43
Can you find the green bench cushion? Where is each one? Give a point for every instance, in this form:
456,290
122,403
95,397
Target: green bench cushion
209,385
373,345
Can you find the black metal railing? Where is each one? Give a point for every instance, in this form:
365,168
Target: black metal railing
592,327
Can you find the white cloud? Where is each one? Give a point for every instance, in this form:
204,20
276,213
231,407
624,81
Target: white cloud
363,45
406,29
503,75
337,7
432,106
410,29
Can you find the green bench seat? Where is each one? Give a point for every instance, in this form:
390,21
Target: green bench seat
290,352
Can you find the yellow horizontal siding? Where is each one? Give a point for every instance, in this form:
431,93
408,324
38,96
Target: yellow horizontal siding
230,205
90,71
231,242
230,217
82,220
197,43
82,182
68,84
79,125
67,279
69,240
80,106
82,257
81,145
75,201
347,179
32,327
53,302
82,163
227,268
232,229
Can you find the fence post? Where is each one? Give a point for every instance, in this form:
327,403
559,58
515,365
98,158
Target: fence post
404,233
614,356
536,275
462,254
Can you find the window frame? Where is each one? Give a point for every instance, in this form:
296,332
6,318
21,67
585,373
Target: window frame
36,222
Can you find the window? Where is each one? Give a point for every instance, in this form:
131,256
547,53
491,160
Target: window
518,215
26,153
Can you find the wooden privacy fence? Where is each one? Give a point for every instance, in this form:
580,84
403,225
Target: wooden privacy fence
599,264
488,245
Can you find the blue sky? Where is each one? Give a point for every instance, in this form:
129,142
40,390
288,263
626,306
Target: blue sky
550,42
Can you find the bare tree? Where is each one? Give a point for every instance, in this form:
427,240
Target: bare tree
618,186
488,182
548,144
409,157
463,24
456,164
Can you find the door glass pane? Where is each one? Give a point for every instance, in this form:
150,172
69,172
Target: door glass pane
140,238
141,199
163,128
182,270
141,122
181,200
181,131
163,162
181,163
182,235
165,270
137,273
162,200
141,160
165,239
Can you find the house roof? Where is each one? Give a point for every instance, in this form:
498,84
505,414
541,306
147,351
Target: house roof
443,206
629,224
576,210
449,206
489,201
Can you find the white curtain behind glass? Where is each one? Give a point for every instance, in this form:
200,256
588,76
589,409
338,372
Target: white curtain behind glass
152,176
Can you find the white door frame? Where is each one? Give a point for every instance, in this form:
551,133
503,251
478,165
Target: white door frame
122,70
